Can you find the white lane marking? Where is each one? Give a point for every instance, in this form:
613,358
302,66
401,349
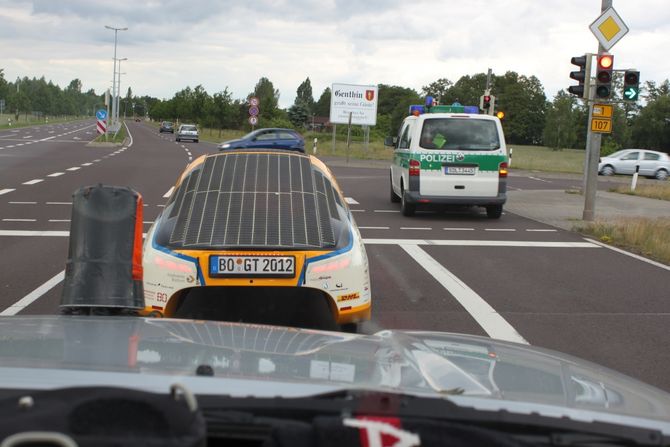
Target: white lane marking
11,145
59,203
160,206
190,158
415,228
486,316
97,160
147,221
458,229
499,229
129,134
33,182
23,203
541,230
34,295
168,193
28,136
357,211
19,220
74,168
59,220
632,255
56,174
373,228
20,144
475,243
540,179
86,164
6,190
387,211
351,201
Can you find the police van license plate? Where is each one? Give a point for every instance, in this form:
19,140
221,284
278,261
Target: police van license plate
252,266
460,170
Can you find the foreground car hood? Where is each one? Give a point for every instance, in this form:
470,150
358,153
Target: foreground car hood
56,351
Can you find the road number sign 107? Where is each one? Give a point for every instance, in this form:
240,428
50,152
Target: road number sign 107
601,125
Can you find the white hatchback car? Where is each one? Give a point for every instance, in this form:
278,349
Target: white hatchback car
187,132
652,163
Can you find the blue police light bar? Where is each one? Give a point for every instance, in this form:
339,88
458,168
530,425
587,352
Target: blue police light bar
429,101
416,108
471,109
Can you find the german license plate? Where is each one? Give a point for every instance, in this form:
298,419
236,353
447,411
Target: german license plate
252,266
460,170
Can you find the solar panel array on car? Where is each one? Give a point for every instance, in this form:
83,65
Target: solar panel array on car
255,200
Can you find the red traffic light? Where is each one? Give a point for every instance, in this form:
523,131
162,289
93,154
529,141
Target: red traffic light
487,98
605,61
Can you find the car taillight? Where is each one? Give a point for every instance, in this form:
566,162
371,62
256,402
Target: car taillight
502,169
414,167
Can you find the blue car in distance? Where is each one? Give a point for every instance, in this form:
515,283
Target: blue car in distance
269,138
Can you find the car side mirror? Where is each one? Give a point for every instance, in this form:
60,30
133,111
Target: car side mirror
391,141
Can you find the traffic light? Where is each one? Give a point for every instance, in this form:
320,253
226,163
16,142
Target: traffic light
582,76
631,85
487,103
604,76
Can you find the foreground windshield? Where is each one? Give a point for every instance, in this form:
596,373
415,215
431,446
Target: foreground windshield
459,133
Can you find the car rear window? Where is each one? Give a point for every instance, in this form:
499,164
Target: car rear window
459,134
252,200
189,128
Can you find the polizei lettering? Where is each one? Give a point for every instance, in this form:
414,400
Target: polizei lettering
349,94
448,158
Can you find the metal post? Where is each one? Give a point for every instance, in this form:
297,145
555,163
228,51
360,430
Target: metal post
334,131
116,30
593,151
348,136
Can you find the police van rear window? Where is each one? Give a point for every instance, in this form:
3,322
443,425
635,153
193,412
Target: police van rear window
463,134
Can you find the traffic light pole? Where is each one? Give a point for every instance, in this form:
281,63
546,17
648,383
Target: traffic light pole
593,143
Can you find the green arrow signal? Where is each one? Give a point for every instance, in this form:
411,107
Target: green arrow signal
631,93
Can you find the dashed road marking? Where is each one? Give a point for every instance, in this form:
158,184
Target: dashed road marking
168,193
351,201
415,228
74,168
6,190
56,174
33,182
23,203
59,203
499,229
19,220
458,229
543,230
373,228
387,211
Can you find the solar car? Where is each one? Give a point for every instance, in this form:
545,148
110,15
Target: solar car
255,236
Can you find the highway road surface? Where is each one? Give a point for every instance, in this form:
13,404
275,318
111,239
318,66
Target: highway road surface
454,271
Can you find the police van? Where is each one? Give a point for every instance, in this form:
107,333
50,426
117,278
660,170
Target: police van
449,155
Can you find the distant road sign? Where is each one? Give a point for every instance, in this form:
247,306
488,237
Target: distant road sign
253,110
101,114
601,125
253,120
602,110
254,101
608,28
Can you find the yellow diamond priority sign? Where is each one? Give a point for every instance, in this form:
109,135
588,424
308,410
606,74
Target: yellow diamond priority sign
608,28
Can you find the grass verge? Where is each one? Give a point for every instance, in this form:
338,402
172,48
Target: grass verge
660,190
111,138
32,121
648,237
540,158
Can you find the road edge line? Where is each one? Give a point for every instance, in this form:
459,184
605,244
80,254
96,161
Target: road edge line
627,253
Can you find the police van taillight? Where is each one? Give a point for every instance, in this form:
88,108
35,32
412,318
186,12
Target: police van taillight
502,169
414,168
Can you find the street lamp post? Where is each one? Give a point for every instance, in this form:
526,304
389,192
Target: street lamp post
118,91
116,31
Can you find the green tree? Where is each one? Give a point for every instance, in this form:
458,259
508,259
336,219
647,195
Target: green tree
394,101
651,129
304,96
560,130
437,89
298,114
523,100
268,98
322,106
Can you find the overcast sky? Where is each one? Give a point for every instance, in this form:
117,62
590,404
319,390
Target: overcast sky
223,43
